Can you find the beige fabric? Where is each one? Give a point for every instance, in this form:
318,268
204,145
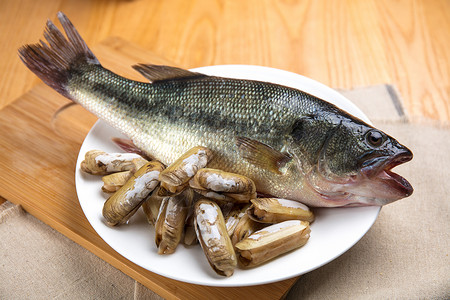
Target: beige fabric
37,262
7,210
378,102
405,255
143,293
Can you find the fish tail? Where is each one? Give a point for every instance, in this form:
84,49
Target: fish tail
53,62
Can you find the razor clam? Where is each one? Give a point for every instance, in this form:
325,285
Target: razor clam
113,182
160,220
272,241
98,162
233,218
213,237
274,210
234,186
190,237
171,231
244,228
176,176
218,197
126,201
151,206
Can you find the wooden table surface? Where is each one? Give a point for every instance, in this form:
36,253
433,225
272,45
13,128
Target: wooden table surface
342,44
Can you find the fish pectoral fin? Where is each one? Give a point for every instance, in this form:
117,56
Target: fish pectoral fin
156,73
262,155
128,146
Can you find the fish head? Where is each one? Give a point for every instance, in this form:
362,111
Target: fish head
349,163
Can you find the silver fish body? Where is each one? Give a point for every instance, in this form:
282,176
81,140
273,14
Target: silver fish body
291,144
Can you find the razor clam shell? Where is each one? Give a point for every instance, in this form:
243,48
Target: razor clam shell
190,237
244,228
233,218
113,182
241,197
170,190
272,241
185,167
219,198
98,162
151,206
274,210
213,238
160,221
234,186
172,228
120,206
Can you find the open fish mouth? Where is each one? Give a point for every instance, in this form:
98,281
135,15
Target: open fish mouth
387,184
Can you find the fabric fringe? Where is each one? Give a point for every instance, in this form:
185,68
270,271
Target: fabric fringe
9,210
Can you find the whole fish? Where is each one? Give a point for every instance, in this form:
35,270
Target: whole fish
292,144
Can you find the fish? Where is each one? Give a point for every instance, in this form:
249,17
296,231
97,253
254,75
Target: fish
292,144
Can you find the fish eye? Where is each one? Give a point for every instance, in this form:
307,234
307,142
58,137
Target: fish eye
374,138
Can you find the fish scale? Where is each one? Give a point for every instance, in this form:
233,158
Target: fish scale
199,110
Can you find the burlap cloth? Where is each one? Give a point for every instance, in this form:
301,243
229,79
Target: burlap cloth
405,255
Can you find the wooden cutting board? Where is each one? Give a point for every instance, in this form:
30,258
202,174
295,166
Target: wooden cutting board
37,165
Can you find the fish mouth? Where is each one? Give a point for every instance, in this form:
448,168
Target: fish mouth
374,185
389,185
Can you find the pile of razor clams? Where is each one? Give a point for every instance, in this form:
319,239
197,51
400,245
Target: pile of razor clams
189,203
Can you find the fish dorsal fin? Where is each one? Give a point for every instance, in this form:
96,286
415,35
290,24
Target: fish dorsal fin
156,73
262,155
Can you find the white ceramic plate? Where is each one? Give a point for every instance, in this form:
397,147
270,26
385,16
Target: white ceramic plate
333,232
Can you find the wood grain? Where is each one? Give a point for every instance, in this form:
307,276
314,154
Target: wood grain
38,154
343,44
